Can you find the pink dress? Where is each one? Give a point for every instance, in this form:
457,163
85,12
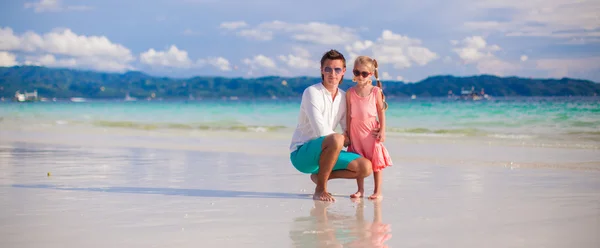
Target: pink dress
363,112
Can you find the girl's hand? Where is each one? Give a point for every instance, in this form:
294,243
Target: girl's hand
381,136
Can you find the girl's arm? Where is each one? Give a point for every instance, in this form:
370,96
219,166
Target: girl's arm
348,117
381,115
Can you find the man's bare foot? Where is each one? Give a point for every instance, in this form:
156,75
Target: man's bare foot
375,196
358,194
323,196
313,177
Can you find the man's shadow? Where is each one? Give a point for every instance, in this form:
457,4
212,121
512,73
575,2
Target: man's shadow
324,228
173,191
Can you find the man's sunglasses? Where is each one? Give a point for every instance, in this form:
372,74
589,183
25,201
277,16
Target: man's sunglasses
329,70
361,73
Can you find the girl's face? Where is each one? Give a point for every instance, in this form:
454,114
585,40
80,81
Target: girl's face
362,73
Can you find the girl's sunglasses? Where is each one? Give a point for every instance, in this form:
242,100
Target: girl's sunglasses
360,73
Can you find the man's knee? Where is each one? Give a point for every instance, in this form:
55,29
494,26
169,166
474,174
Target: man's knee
364,167
361,166
335,140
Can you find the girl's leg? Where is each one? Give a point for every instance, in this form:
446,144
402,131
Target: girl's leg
361,188
377,178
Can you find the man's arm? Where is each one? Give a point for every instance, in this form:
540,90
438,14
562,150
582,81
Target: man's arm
312,105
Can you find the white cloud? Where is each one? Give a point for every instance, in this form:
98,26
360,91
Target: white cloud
475,50
7,59
299,59
233,25
567,67
359,46
256,34
397,50
217,62
265,65
71,44
98,63
393,49
170,58
259,61
44,5
178,58
386,76
53,6
8,41
547,18
312,32
50,61
86,50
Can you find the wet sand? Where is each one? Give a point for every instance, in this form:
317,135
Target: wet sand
202,191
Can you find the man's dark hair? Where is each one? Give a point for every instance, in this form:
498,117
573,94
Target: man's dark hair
333,55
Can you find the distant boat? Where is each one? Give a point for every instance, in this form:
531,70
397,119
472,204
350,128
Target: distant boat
470,95
26,97
77,99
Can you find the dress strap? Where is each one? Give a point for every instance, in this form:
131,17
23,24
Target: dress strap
376,90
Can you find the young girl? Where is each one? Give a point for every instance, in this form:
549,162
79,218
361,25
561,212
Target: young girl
365,112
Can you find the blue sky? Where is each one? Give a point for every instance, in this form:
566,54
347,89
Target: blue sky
411,39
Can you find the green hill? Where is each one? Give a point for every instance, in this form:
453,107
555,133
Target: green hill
60,83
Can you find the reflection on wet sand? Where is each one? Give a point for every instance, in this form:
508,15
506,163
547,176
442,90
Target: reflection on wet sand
323,228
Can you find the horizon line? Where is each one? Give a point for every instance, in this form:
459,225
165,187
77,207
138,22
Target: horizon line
290,77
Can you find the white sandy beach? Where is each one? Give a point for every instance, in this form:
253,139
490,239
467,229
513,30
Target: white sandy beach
134,188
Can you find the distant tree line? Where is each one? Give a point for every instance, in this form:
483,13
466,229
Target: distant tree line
62,83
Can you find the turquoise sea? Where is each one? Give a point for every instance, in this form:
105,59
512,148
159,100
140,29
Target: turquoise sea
552,120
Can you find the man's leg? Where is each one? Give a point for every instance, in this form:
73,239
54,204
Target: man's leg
354,169
331,148
358,168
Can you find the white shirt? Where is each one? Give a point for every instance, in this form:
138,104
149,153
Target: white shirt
319,115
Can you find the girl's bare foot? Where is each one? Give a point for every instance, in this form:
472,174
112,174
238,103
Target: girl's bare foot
358,194
375,196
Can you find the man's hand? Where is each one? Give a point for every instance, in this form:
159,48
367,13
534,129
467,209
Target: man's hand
346,140
375,132
381,136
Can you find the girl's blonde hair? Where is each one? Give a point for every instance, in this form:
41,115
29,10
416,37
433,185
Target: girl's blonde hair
372,65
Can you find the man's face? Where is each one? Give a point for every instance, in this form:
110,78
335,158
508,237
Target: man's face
333,71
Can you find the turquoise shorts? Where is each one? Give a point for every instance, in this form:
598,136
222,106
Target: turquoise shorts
306,158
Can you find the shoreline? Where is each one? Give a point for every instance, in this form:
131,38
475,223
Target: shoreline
403,150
